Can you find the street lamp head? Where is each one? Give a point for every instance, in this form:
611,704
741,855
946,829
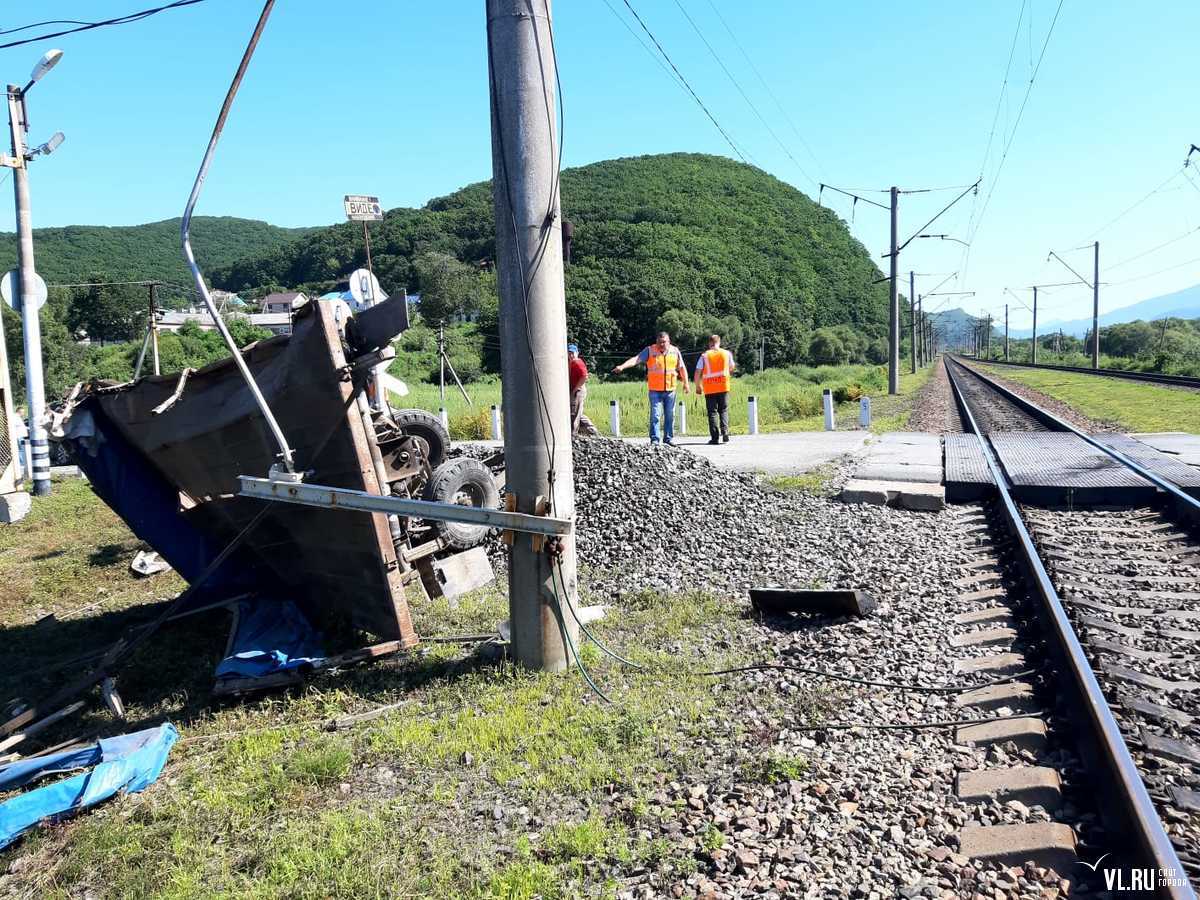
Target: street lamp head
48,61
51,145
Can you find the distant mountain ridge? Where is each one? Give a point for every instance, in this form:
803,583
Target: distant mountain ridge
145,252
1184,304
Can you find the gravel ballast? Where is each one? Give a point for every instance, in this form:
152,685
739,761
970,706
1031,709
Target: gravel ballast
873,812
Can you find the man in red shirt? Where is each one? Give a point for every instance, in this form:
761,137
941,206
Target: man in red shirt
577,375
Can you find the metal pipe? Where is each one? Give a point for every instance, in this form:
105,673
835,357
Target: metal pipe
347,498
285,451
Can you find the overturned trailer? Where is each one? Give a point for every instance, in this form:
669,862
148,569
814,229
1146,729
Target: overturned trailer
166,453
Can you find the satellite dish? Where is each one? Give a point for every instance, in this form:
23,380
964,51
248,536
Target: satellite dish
10,289
365,289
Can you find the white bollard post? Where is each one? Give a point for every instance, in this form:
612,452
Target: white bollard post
614,418
681,416
444,417
827,404
864,412
496,423
752,404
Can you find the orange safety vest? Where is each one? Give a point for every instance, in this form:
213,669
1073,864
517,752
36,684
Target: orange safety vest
662,369
717,378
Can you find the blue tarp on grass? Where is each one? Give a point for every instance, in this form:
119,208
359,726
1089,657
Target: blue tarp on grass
271,636
128,762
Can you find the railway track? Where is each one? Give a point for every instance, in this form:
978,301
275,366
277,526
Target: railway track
1114,605
1186,381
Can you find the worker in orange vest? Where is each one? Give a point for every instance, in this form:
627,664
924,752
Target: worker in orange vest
664,367
714,377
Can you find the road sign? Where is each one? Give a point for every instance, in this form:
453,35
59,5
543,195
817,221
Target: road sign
360,208
10,289
365,289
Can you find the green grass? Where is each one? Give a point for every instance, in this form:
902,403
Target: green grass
259,800
1134,406
788,400
815,481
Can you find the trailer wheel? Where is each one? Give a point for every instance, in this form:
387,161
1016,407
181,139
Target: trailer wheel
429,428
466,482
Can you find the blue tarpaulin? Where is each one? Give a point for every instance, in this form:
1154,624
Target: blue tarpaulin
128,762
271,636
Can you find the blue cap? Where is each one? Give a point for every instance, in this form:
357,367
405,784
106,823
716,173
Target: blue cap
572,348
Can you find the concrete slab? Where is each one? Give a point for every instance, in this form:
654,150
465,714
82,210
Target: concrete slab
873,469
14,507
1047,844
1032,785
1028,734
913,495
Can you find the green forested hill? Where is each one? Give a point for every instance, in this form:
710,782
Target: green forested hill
144,252
691,242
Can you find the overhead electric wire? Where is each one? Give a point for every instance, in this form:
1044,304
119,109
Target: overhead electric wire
637,37
1135,205
766,87
88,26
1017,124
745,96
690,89
1155,248
1186,262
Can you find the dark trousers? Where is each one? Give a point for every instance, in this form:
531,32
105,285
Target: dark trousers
718,414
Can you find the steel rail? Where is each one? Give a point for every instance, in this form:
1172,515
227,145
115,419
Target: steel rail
1190,503
1135,809
1152,377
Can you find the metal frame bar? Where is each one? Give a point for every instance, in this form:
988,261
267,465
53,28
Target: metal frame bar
1137,809
347,498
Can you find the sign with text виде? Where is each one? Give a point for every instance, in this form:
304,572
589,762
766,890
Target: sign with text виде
360,208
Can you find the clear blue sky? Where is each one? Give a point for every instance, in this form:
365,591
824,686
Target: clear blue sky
390,98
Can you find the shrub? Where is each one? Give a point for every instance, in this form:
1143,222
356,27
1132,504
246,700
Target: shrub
473,425
847,393
798,405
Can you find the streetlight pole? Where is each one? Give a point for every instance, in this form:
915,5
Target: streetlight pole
31,324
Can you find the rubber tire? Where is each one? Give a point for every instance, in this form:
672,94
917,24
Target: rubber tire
450,479
428,427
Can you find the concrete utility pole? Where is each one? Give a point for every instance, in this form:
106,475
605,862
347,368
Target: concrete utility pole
988,352
34,388
533,323
912,318
1006,332
894,306
1033,349
923,353
154,323
1096,308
